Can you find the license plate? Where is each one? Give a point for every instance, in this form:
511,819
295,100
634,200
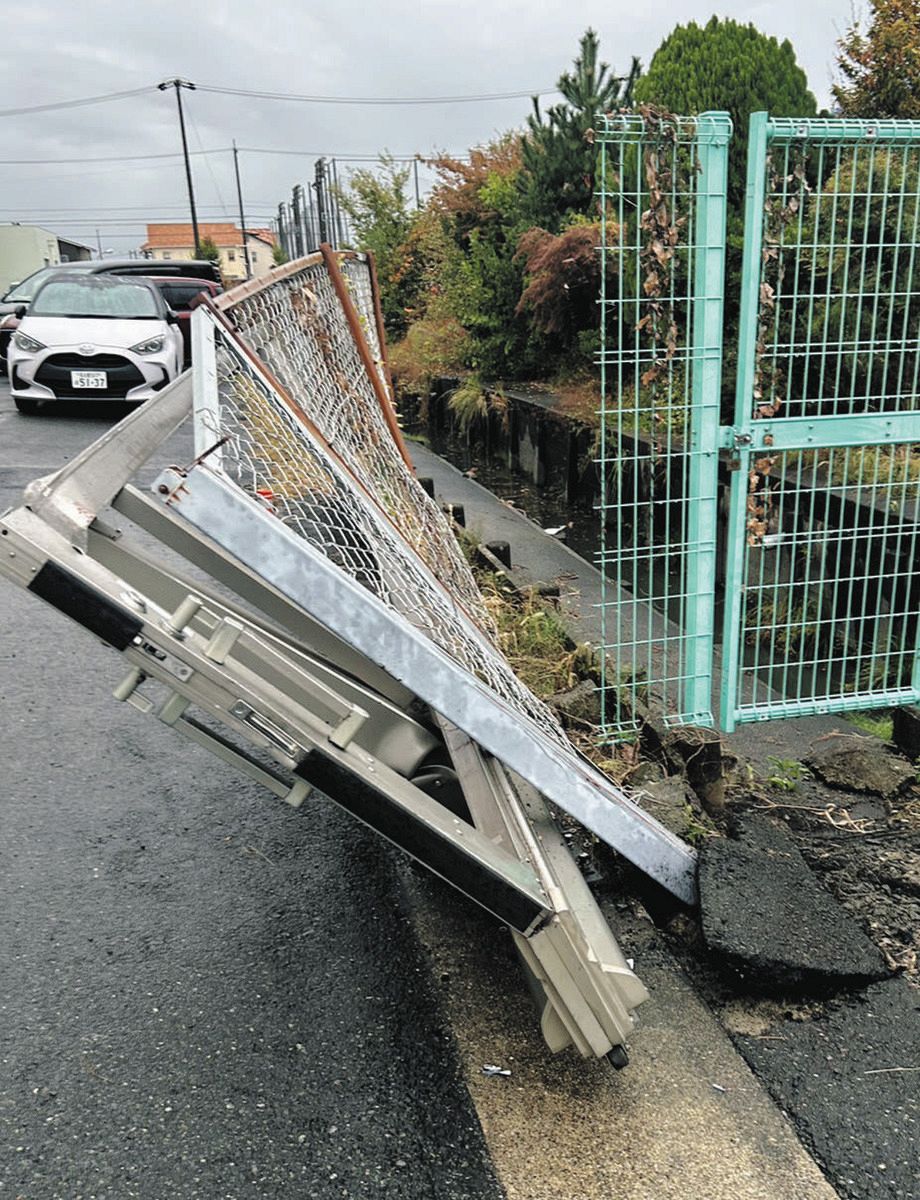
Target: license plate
88,379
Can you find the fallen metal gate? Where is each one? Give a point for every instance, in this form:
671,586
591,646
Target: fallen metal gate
357,656
822,603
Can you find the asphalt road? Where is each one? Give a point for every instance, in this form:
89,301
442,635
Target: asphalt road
203,994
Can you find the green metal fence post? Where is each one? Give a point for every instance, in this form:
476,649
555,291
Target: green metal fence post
602,416
744,391
714,131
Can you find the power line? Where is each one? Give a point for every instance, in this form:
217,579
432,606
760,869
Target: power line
82,101
476,99
117,158
138,223
36,108
401,158
117,208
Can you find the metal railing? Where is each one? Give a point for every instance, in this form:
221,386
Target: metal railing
822,605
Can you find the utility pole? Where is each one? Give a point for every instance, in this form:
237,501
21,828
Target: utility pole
319,188
239,196
301,246
418,200
337,209
178,84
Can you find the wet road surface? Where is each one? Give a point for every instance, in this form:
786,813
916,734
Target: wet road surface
203,994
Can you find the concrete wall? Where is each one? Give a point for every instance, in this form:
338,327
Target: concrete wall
23,249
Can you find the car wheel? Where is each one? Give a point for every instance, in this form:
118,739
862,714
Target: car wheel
26,406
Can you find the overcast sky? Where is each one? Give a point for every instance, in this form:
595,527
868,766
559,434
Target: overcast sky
57,50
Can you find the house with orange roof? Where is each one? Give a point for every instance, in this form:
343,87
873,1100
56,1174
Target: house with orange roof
177,241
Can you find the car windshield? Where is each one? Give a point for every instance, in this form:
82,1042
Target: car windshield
23,292
95,296
179,296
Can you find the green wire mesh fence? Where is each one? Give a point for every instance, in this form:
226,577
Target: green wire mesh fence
822,599
822,602
662,198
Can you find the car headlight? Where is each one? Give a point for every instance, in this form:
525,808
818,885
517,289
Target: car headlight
152,346
24,342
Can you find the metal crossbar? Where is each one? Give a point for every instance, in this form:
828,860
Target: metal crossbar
662,197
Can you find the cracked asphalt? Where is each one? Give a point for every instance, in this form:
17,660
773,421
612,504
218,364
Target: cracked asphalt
203,994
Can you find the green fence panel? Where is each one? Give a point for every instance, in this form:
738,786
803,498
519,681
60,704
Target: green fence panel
822,599
663,205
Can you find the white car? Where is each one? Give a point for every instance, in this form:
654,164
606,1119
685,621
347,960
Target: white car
93,337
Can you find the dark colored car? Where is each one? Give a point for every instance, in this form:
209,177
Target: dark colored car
180,296
20,294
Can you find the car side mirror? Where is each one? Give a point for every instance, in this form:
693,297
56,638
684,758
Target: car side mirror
172,316
19,312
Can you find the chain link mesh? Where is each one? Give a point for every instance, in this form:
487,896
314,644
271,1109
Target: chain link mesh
296,326
328,467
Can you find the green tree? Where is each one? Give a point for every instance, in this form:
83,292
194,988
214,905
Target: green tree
729,67
279,254
480,202
881,67
377,204
559,158
207,250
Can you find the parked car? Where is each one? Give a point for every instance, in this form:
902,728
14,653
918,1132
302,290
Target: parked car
93,337
181,295
20,295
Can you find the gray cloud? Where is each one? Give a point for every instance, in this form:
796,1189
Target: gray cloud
59,51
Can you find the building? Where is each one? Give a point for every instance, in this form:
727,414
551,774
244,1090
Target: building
26,248
177,241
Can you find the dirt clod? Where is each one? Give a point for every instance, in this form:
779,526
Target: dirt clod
860,764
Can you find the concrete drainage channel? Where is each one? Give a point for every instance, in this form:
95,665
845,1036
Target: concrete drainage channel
804,955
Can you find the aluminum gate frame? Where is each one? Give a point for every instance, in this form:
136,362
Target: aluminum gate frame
289,703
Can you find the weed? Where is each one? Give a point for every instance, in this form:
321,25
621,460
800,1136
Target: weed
431,347
534,639
697,830
877,723
787,773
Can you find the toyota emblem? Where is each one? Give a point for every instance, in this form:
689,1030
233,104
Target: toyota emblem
86,348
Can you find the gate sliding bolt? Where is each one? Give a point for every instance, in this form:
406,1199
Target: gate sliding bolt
222,640
298,793
185,613
125,691
173,707
344,733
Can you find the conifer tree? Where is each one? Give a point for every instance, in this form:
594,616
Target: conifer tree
559,157
726,66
